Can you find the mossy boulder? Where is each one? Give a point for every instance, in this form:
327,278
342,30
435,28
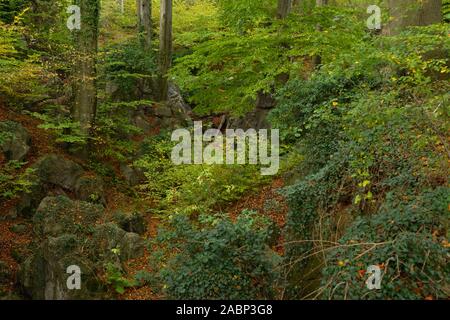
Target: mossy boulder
70,233
131,222
14,140
59,215
113,241
90,189
44,275
56,170
49,172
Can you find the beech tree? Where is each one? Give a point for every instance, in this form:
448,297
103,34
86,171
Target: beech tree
144,17
406,13
86,43
165,47
317,60
284,8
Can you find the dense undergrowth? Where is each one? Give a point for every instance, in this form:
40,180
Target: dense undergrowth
365,140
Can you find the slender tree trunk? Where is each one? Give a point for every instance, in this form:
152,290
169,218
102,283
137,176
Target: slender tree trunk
147,23
85,90
139,15
406,13
317,59
165,47
122,6
321,3
284,8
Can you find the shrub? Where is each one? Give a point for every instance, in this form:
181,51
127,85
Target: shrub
192,189
407,239
14,180
217,258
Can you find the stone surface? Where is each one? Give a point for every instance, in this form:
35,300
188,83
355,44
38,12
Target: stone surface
19,228
59,171
176,101
163,111
133,222
59,215
14,140
90,189
51,172
69,233
109,237
132,175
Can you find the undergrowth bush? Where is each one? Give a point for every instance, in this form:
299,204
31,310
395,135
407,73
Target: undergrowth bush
371,125
192,189
216,258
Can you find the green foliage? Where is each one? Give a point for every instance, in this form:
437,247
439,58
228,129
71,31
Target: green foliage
14,180
115,278
226,72
10,8
242,16
446,10
217,258
195,22
124,65
371,123
65,130
192,189
18,67
407,239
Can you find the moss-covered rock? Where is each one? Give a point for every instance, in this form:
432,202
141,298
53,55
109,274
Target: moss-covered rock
69,233
49,172
59,171
59,215
133,222
14,140
90,189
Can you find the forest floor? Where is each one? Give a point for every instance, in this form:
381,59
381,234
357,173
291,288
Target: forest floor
266,201
255,201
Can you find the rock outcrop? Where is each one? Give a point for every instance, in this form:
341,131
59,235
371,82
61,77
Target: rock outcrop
70,234
54,173
14,140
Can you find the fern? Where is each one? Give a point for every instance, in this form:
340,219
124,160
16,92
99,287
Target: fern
446,10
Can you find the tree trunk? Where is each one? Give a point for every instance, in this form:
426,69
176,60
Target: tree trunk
122,6
144,21
147,23
85,90
406,13
165,47
139,15
317,59
284,8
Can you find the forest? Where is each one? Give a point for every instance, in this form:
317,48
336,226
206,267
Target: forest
224,149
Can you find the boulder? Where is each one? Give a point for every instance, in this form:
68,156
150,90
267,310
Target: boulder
44,275
111,240
132,174
133,222
58,215
142,123
29,201
255,119
176,101
49,172
14,140
163,111
59,171
90,189
67,233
